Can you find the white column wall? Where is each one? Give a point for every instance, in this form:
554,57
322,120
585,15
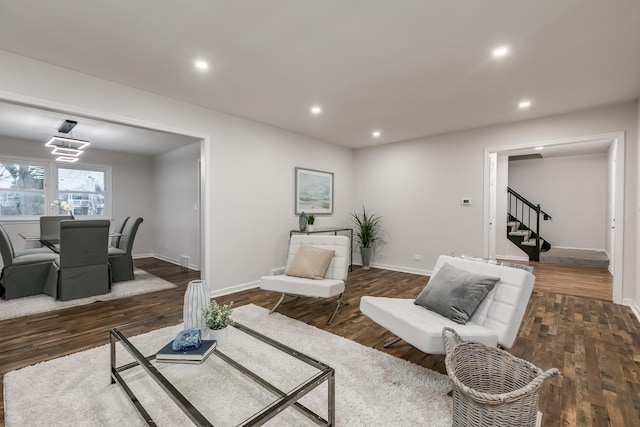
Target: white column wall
176,205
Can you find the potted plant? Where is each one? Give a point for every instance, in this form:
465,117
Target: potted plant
310,220
367,232
218,318
61,204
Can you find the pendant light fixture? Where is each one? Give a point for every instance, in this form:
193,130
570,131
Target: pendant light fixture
68,149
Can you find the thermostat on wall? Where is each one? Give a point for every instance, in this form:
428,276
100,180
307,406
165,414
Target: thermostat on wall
466,202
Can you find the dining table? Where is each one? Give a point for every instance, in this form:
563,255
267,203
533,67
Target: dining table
54,244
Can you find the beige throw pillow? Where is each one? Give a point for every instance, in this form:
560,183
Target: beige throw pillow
310,262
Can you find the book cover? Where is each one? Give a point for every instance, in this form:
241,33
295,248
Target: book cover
198,355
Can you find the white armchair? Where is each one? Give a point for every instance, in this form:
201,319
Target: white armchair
496,321
331,285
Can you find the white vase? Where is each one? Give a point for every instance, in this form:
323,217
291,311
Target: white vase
310,227
196,302
220,335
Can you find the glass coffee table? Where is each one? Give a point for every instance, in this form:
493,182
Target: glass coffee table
246,381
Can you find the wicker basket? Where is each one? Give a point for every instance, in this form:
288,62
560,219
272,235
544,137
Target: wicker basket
490,386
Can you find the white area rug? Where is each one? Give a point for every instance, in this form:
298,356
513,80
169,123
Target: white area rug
143,283
372,388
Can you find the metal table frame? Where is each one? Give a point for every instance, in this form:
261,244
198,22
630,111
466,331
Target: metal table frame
285,400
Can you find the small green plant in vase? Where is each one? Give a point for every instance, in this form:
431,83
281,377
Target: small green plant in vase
217,317
310,221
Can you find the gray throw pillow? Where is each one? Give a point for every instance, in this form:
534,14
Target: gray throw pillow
455,293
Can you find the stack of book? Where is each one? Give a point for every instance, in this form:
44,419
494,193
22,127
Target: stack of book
196,356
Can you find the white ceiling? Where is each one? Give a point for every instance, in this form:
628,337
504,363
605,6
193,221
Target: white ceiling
409,68
39,125
596,146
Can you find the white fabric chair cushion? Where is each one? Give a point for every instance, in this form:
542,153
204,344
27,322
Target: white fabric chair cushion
503,308
339,265
321,288
418,326
497,318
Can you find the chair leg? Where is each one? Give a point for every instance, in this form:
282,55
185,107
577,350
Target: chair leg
339,303
391,342
278,303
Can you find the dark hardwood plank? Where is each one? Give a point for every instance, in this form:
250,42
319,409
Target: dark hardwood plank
592,341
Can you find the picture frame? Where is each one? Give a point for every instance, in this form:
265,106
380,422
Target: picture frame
314,192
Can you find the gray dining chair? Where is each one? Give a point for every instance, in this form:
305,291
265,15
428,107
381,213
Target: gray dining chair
22,274
82,268
120,258
50,226
118,228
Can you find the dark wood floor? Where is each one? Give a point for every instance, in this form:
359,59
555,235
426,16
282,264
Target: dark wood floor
594,342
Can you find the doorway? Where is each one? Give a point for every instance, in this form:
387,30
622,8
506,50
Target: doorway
173,156
615,176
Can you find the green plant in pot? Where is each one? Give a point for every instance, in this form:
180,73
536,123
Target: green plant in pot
217,317
368,231
310,221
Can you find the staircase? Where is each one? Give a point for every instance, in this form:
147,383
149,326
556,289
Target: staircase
523,225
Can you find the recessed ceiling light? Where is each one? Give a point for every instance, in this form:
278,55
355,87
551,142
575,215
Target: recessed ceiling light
316,110
524,104
201,65
539,148
500,51
376,134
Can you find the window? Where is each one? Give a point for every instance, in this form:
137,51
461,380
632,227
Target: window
26,189
22,188
83,189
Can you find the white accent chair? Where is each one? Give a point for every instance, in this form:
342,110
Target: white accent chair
496,321
333,283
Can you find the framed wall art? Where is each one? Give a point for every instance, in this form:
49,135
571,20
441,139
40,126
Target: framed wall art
314,192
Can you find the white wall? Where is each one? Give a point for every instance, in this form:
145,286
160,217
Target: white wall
610,213
504,248
253,197
176,202
417,185
131,179
634,300
248,167
573,190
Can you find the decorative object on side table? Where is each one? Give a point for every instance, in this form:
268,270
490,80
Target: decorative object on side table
302,221
310,221
368,230
196,303
218,318
187,347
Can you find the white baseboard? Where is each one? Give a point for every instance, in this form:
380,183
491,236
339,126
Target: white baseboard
635,308
513,258
167,259
234,289
579,249
420,271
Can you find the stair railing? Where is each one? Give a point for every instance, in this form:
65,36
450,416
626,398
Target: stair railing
521,209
